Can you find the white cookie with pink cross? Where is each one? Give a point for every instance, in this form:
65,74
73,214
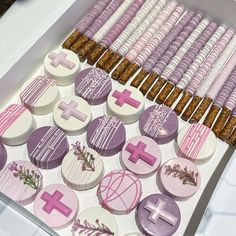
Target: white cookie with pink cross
126,103
62,65
72,115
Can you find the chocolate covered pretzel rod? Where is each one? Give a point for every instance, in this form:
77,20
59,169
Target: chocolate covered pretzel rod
182,51
226,112
154,49
229,127
139,19
165,59
168,16
221,98
213,77
121,49
96,25
232,139
92,43
87,20
186,61
115,31
204,71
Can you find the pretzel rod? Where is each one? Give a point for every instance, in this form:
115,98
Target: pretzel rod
224,93
211,116
149,81
205,69
183,101
232,139
105,28
173,96
81,41
130,71
104,59
157,87
229,127
164,93
160,19
88,47
114,60
87,20
139,78
115,31
201,110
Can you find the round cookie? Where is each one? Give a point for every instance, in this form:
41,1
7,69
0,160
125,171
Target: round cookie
16,124
119,191
158,215
180,177
56,205
141,155
21,181
93,85
40,95
3,156
160,123
196,142
126,103
95,221
62,65
82,168
106,135
72,114
47,147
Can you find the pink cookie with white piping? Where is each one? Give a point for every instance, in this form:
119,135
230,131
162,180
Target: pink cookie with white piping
180,177
119,191
126,103
56,205
62,65
21,181
141,155
196,142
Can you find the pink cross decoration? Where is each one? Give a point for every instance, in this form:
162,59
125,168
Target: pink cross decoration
158,212
70,110
60,59
138,152
53,202
124,97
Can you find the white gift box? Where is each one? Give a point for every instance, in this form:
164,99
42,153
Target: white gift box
32,28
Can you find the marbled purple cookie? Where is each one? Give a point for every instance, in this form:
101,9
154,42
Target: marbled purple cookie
3,156
160,123
47,147
106,135
158,215
94,85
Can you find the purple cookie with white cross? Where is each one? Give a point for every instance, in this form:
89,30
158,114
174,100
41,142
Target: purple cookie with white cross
160,123
106,135
158,215
56,205
72,115
141,155
47,147
62,65
3,156
126,103
93,85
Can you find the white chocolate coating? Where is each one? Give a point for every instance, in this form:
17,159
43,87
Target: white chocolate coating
16,124
79,178
62,74
128,112
72,125
40,95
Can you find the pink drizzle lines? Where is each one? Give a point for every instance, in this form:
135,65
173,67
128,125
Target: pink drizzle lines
35,90
9,116
193,141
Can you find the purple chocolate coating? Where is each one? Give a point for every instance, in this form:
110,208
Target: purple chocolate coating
161,228
93,85
106,135
160,123
3,156
47,147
